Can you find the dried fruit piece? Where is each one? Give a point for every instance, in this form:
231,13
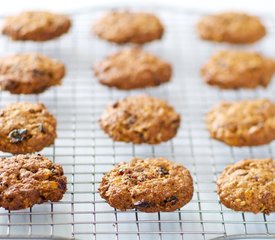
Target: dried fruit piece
41,128
143,204
18,135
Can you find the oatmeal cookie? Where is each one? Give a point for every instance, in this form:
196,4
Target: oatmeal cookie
29,73
231,27
140,119
36,26
26,127
248,186
149,185
131,69
238,69
27,180
243,123
128,27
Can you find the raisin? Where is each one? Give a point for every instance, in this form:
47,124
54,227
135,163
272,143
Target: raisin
115,105
122,171
38,73
163,171
62,185
143,204
18,135
172,200
41,128
131,120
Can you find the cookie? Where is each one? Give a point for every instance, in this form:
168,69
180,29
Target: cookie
238,69
248,186
36,26
243,123
231,27
149,185
26,127
129,27
29,73
132,69
27,180
140,119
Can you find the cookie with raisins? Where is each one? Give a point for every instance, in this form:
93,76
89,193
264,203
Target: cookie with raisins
140,119
248,186
149,185
29,73
36,26
26,128
27,180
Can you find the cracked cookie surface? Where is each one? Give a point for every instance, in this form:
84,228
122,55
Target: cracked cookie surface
248,186
29,73
231,27
238,69
132,69
242,123
128,27
27,180
36,26
140,119
149,185
26,128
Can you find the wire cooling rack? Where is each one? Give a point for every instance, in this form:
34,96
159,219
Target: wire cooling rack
85,152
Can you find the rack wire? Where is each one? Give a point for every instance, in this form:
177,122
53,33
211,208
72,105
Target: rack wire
85,152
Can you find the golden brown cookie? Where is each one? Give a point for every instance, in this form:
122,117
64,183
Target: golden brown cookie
248,186
149,185
238,69
27,180
231,27
131,69
36,26
243,123
26,128
128,27
140,119
29,73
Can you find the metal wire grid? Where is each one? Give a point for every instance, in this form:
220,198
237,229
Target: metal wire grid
85,152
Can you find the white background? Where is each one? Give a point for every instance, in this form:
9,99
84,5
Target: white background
260,6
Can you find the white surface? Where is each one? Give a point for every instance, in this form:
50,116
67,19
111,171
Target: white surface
12,6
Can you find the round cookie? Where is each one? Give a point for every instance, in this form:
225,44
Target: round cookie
140,119
29,73
36,26
238,69
248,186
128,27
132,69
149,185
243,123
27,180
26,127
231,27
